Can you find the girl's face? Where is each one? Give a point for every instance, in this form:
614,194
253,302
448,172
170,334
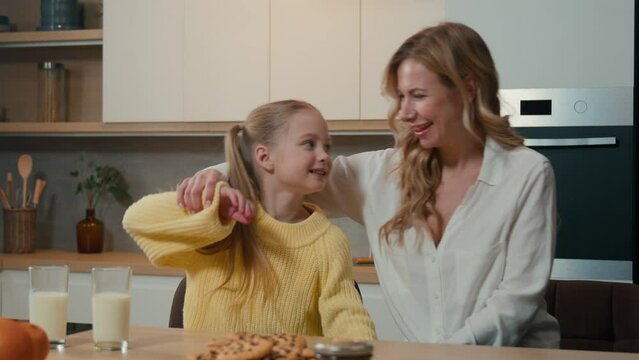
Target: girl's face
431,109
301,157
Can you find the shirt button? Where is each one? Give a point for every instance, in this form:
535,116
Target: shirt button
436,296
438,332
433,259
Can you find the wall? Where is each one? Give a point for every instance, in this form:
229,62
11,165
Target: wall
149,164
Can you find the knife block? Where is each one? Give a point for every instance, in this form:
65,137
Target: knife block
19,230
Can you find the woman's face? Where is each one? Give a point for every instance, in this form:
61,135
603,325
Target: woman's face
431,109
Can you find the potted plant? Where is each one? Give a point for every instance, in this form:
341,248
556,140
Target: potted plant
94,182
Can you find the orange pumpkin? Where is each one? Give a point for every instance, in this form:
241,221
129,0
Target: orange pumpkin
21,340
39,340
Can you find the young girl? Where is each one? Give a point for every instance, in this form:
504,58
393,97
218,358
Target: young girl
279,266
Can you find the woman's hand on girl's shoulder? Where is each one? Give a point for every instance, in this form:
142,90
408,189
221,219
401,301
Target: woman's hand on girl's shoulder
189,191
233,205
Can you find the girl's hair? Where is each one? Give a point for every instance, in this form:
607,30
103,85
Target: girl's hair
453,51
263,126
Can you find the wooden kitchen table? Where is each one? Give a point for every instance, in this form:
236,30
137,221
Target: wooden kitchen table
163,343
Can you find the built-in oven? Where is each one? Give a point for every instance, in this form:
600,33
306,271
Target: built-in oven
588,136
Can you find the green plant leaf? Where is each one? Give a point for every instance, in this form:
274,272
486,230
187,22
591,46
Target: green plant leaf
98,180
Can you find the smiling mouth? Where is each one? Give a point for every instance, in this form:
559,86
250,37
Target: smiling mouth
421,128
321,172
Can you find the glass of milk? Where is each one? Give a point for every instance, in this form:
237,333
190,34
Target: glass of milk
111,307
48,299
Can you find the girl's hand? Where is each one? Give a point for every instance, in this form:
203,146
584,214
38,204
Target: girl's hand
234,205
189,191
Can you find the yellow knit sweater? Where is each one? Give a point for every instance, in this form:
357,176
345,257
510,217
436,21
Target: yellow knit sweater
311,260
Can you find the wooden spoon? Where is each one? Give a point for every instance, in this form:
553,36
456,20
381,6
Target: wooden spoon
39,186
25,165
11,194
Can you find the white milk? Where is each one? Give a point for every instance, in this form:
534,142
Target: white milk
111,313
48,309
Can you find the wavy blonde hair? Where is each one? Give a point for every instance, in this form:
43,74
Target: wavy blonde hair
453,51
262,126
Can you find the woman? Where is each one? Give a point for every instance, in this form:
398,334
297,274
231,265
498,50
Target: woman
461,217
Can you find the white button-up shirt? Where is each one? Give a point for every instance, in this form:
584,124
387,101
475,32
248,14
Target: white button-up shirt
485,282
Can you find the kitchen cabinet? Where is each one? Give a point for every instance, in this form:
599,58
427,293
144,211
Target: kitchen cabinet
208,63
226,58
151,297
554,44
192,65
384,26
143,60
315,54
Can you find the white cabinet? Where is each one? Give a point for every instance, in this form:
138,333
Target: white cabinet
554,44
315,54
226,59
151,297
201,60
385,25
143,60
196,60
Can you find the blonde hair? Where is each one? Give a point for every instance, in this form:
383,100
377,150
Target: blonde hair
262,126
453,51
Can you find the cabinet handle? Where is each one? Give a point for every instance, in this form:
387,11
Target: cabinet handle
595,141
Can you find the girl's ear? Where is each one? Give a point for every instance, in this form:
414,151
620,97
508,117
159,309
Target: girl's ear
263,158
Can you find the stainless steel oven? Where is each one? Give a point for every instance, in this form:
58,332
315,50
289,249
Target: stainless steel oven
588,135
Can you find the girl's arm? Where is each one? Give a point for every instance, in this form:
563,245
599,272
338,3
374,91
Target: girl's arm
170,236
512,307
341,309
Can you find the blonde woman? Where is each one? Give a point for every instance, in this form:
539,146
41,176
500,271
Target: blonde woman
461,217
259,258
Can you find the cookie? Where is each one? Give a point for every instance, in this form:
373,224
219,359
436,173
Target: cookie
243,347
248,346
199,357
287,346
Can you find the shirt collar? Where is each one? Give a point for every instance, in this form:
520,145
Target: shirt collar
492,167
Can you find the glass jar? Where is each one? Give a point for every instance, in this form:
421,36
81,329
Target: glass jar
52,102
4,23
344,350
60,15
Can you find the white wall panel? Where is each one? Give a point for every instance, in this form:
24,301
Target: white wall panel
554,43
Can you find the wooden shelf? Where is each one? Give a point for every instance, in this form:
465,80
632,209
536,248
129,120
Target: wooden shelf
51,38
337,127
363,274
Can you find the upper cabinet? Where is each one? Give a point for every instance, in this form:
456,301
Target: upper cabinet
385,25
226,58
202,60
195,60
315,54
143,60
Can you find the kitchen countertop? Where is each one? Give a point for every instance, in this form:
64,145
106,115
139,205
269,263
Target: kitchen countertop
363,274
